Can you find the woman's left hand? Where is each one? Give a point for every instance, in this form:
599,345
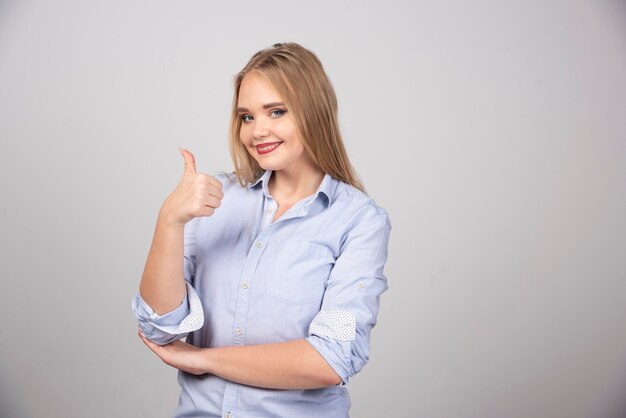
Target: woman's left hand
178,354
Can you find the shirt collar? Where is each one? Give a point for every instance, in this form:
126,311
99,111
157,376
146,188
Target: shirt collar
264,180
327,187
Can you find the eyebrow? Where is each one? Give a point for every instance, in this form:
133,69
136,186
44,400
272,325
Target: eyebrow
265,106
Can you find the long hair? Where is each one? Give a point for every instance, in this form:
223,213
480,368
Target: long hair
298,77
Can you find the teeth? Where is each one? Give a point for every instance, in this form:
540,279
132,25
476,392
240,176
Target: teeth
269,147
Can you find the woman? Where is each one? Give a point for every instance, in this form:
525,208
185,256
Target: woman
279,271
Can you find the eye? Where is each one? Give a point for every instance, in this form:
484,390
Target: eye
278,112
246,118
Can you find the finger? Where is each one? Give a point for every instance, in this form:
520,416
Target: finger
152,346
213,202
190,161
143,337
211,180
216,192
216,183
206,211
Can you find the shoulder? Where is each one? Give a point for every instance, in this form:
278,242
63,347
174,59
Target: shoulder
347,196
357,208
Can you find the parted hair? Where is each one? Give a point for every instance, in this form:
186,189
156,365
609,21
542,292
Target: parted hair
298,77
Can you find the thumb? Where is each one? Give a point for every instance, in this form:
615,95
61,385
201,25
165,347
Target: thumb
190,161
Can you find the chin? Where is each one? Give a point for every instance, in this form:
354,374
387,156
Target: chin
272,167
273,164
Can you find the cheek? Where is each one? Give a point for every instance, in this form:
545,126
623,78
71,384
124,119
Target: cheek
244,135
287,131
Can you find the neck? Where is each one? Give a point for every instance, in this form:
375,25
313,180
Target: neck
295,183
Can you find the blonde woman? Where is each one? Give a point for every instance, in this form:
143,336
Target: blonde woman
274,273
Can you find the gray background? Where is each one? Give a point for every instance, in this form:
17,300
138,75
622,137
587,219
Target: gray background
493,132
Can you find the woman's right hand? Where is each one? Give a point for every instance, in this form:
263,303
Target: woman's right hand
195,195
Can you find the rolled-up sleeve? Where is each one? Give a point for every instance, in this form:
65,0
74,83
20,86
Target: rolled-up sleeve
340,332
174,325
188,316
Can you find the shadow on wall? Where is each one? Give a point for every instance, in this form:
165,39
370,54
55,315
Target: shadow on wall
7,407
5,8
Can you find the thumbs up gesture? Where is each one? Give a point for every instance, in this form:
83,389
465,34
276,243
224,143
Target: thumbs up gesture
195,195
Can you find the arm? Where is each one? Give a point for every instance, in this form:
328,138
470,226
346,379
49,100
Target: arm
286,365
162,285
340,332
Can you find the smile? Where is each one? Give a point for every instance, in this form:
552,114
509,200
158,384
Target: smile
267,147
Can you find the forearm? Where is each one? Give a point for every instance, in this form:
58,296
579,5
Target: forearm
288,365
163,282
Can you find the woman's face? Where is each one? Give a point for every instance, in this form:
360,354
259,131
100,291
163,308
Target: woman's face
267,129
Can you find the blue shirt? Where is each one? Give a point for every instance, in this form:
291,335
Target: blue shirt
315,273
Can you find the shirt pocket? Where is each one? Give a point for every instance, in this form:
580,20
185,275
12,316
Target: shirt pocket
300,272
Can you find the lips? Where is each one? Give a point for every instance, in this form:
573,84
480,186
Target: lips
267,147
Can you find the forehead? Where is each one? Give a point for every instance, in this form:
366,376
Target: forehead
256,90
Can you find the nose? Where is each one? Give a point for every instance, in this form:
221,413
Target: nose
261,129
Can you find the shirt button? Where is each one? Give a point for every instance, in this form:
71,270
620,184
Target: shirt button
227,415
259,244
361,285
268,211
244,285
239,331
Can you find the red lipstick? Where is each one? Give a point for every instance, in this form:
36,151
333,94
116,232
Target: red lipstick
267,147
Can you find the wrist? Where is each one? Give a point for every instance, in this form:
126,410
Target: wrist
208,360
168,219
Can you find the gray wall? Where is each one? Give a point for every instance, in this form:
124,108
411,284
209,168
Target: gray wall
493,132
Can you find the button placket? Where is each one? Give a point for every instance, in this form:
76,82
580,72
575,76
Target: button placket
243,295
270,210
230,400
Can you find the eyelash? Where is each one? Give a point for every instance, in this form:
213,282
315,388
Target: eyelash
274,112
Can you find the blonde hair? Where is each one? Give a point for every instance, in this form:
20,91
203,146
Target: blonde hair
298,77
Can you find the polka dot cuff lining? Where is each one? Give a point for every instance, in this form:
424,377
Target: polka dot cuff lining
191,322
338,325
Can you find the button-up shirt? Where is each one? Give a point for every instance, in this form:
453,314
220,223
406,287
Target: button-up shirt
315,273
